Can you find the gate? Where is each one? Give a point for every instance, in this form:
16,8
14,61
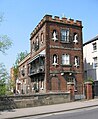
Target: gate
95,89
79,92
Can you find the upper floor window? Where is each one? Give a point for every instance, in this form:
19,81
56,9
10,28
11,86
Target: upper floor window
32,45
76,61
65,35
95,64
37,42
75,38
94,46
23,71
55,59
42,38
65,59
54,35
36,45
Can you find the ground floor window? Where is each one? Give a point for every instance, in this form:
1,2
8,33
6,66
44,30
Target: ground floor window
38,83
72,79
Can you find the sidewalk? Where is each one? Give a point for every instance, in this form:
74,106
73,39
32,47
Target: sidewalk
33,111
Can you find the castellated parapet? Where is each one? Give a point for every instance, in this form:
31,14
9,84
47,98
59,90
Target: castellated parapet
56,19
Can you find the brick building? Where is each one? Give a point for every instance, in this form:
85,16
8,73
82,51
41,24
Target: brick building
56,55
23,81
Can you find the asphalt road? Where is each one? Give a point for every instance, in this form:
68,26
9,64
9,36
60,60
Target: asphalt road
89,113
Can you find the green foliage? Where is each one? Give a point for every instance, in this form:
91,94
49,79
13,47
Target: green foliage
12,84
3,77
89,79
20,57
5,43
2,87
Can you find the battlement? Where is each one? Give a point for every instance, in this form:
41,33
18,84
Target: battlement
57,19
63,20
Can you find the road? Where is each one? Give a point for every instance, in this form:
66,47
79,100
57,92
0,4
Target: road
88,113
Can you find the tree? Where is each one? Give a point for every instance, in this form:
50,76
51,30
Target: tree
3,78
20,57
5,42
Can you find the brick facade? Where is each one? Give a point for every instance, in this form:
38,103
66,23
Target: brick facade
47,37
56,55
23,82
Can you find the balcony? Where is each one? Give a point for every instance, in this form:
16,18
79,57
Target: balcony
38,70
37,64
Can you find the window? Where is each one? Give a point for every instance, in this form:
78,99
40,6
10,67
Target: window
23,71
65,35
37,42
65,59
42,85
54,59
95,64
72,79
54,35
75,38
94,46
42,38
76,61
36,45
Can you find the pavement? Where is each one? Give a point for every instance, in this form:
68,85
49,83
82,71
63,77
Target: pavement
47,109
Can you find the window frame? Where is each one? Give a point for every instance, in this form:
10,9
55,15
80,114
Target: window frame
65,35
77,63
56,62
95,62
77,37
56,33
94,46
65,61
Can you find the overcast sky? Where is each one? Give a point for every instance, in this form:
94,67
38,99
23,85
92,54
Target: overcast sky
22,16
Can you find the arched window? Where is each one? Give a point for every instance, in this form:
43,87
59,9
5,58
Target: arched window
75,38
42,38
37,41
36,45
55,59
54,35
65,59
76,61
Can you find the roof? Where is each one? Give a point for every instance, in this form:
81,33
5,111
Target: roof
55,19
24,60
92,40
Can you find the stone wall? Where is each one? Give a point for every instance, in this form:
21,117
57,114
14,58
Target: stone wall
23,101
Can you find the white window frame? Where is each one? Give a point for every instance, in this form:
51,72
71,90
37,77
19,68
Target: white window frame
65,35
55,59
75,38
76,61
95,62
54,35
65,59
